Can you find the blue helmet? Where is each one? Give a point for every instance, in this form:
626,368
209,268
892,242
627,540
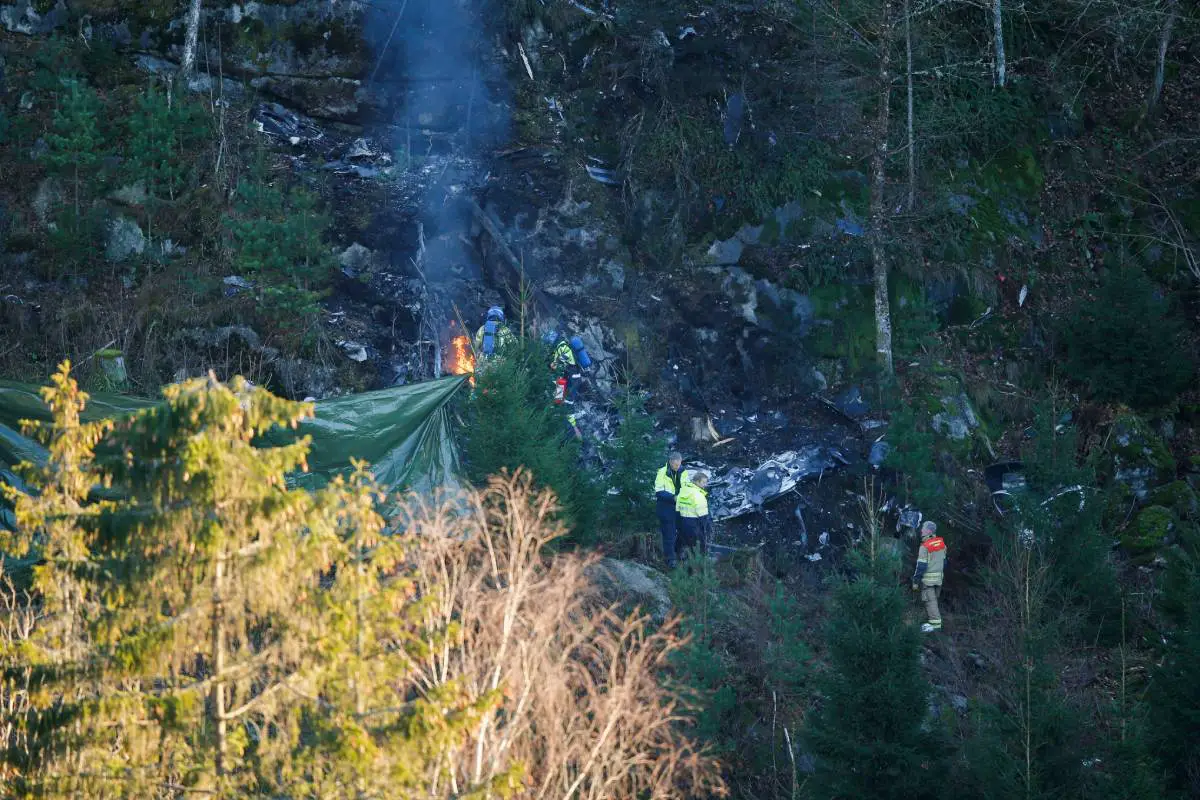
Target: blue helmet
550,337
496,313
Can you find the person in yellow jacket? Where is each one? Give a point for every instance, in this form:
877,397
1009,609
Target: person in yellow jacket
695,524
493,337
666,487
931,564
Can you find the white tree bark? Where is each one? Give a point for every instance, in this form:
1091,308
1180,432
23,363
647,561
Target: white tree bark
1164,42
883,312
191,38
998,35
912,144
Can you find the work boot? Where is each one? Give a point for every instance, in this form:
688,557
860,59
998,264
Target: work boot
930,627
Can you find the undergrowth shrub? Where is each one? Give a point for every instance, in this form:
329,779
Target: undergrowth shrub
1126,344
786,656
701,669
1070,527
911,453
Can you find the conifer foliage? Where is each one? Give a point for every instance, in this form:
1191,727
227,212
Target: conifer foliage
869,735
197,626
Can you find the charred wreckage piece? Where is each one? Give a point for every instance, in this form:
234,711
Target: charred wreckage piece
740,490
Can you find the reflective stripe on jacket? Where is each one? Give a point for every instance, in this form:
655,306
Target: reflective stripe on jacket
931,561
563,357
692,501
666,484
504,338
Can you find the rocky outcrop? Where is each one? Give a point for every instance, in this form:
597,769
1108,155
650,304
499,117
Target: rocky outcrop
24,17
629,582
310,54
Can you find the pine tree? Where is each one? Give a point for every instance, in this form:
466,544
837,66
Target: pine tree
513,424
277,239
75,139
160,137
869,736
632,457
226,635
1027,740
1174,692
56,522
196,578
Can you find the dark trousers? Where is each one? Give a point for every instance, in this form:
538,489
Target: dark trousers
570,394
668,526
693,535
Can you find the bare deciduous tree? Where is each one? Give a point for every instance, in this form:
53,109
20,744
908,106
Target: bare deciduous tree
1160,66
582,705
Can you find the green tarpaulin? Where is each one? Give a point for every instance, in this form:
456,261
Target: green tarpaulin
404,432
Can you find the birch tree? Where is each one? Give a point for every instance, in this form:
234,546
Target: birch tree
1170,17
908,81
998,43
878,222
190,40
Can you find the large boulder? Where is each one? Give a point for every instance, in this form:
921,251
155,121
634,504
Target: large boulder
125,240
1139,457
24,17
633,584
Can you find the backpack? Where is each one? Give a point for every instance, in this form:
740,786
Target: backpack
581,353
489,337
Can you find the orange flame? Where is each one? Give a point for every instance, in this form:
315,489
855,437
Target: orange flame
462,360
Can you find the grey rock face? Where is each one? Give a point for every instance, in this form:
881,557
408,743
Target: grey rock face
633,582
125,240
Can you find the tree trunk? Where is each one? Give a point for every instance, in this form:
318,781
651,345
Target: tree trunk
191,37
912,145
218,649
883,314
1160,67
998,35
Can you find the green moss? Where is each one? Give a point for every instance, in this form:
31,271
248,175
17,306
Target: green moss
850,332
1150,530
1177,496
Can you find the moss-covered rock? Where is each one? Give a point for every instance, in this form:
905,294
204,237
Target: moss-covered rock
1177,496
1139,457
1150,530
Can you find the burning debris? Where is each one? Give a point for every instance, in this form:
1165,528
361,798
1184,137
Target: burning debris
460,355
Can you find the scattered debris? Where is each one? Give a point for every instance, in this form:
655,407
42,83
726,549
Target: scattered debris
272,119
601,174
740,490
525,61
354,351
235,284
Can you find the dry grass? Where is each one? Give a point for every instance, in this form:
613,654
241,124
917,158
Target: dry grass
584,709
